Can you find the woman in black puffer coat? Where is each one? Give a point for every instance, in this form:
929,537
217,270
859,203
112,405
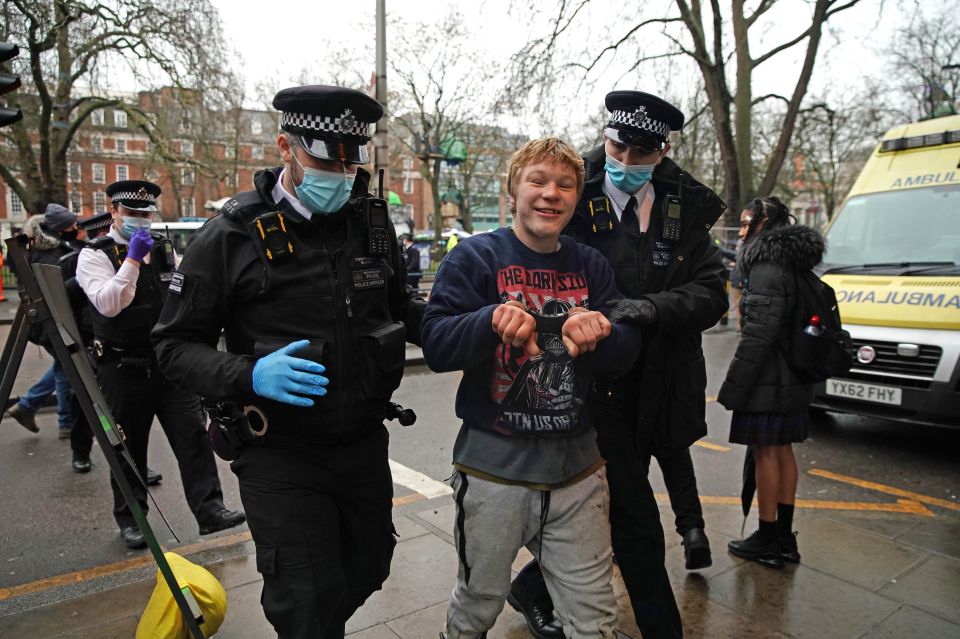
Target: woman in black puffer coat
768,401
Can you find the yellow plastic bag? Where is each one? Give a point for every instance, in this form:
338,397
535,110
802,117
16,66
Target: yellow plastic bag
162,619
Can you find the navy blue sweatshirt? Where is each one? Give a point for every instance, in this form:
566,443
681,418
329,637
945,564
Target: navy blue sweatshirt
522,416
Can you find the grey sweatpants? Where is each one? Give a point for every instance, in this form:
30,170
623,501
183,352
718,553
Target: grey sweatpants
495,520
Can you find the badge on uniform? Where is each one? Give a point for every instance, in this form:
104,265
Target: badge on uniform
176,283
601,218
661,253
365,278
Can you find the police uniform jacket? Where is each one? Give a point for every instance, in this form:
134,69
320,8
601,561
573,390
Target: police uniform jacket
354,307
684,279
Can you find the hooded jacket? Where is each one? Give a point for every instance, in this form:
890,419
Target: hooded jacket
667,384
760,379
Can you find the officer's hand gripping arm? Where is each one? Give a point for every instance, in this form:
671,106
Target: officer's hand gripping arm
279,375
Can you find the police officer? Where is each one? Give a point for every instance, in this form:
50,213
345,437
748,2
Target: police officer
651,220
125,275
411,260
304,277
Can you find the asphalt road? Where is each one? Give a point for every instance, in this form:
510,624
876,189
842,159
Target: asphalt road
54,522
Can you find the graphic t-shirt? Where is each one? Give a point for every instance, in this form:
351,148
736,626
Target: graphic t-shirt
523,416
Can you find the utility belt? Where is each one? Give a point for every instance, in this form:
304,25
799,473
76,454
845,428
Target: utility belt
104,352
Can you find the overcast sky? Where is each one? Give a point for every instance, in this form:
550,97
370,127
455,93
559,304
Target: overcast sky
276,43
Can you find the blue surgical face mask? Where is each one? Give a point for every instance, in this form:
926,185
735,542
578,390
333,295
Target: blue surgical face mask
130,225
629,178
323,192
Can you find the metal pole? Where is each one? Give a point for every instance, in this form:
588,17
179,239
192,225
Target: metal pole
381,150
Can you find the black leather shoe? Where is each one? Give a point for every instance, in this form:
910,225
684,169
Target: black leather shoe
153,478
24,418
756,549
81,462
222,520
133,538
696,549
540,621
788,548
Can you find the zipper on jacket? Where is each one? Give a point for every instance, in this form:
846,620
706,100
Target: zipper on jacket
341,341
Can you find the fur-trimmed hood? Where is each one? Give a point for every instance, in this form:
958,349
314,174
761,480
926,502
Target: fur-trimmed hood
795,247
41,239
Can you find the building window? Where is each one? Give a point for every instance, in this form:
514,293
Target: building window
120,119
16,206
73,168
229,152
407,185
188,206
256,128
121,146
99,202
407,163
99,174
76,202
256,152
185,124
96,117
122,172
186,176
96,145
231,181
151,175
186,147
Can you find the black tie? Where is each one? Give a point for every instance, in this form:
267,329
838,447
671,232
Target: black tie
629,217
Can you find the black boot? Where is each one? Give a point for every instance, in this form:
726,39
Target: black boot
81,462
696,549
529,596
758,548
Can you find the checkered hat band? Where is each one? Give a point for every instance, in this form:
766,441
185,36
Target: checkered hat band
640,120
132,195
325,124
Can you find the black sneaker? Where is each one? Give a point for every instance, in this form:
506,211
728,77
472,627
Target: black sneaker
788,548
756,549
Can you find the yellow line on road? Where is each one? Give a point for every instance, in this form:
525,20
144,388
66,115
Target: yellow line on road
709,446
144,560
711,398
890,490
901,506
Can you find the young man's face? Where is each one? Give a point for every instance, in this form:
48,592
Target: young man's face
544,201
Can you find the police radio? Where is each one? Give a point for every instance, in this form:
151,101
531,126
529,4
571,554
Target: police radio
671,217
378,223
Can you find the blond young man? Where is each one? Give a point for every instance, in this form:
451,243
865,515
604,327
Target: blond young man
521,312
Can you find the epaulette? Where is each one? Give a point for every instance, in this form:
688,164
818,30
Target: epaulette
243,207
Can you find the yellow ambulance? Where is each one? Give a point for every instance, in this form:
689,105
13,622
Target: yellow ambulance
893,252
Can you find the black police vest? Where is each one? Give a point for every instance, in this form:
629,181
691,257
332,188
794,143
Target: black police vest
130,329
639,262
331,290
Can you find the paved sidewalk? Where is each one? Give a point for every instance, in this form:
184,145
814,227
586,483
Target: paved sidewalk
866,575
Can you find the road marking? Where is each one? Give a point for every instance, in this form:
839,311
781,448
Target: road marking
890,490
709,446
901,506
418,482
711,398
408,499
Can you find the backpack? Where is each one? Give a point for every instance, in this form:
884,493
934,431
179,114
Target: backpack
814,358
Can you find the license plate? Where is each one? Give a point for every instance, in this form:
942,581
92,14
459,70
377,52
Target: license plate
873,393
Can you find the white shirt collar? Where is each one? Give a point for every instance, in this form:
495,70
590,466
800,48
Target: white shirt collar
280,193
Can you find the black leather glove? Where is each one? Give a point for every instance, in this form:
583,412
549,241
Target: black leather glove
641,311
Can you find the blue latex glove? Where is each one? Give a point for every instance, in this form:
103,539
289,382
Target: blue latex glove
278,375
140,245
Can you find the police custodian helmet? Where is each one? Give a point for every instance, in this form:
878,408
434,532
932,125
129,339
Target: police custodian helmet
331,123
641,120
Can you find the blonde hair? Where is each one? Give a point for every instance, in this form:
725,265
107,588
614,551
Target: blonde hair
551,149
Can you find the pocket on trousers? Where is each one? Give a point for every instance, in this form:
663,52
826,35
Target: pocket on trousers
266,559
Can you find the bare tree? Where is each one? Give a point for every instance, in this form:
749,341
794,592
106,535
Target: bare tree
925,57
702,32
436,95
70,45
488,150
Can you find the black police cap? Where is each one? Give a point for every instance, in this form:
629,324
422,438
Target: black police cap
327,113
134,194
99,221
637,118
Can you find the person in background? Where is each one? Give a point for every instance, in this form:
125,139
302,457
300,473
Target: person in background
125,275
51,235
769,403
411,260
